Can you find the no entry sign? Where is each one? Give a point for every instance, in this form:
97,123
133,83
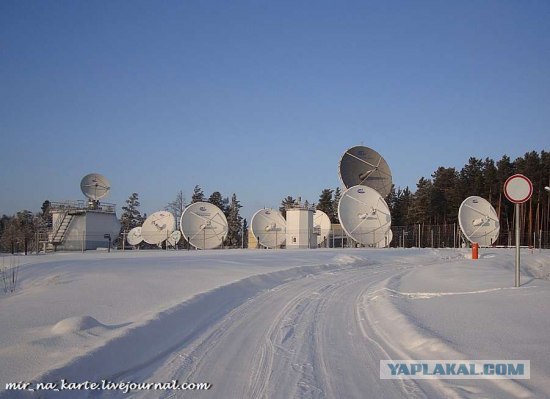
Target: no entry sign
518,189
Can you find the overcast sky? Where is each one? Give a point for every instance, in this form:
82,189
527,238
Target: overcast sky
261,98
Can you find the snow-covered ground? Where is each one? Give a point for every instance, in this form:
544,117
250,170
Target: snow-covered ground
275,324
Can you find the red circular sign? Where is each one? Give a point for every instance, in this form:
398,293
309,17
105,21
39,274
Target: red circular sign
518,189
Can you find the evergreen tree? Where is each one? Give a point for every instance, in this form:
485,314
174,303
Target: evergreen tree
335,201
217,199
490,177
504,209
198,195
399,202
471,178
445,199
404,205
287,203
46,214
131,217
325,203
234,223
421,203
393,203
245,234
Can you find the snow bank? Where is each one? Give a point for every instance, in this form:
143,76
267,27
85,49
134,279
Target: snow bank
82,316
468,310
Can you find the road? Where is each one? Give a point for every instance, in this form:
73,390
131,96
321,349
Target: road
305,338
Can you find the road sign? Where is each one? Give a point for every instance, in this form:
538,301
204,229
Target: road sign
518,189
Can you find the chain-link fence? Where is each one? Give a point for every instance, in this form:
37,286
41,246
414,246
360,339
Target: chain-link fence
450,236
417,236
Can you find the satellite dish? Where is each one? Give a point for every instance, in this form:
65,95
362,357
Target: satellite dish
204,225
158,227
363,166
95,186
174,238
478,221
269,227
386,241
321,226
364,215
134,236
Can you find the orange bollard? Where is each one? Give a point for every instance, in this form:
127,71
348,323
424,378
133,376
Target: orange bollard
475,250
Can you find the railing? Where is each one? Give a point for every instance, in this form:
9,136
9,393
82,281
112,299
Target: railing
57,225
82,205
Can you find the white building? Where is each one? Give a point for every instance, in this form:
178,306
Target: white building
299,227
82,225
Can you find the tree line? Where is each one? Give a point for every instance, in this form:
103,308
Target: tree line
19,232
437,199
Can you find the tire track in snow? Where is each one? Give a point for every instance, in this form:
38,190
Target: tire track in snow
284,343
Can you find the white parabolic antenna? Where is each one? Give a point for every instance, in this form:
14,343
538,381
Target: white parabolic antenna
362,165
321,226
269,227
95,186
158,227
174,238
478,221
134,236
364,215
204,225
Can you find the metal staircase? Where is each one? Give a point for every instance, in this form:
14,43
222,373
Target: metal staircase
60,228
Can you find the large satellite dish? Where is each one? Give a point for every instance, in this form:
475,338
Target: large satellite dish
134,236
321,226
363,166
478,221
364,215
95,186
269,227
204,225
158,227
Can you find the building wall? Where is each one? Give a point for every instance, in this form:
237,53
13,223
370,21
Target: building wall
87,230
299,229
75,236
97,225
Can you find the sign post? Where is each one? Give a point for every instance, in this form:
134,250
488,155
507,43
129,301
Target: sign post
518,189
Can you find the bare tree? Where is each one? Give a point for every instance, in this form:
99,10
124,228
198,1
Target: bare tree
177,206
